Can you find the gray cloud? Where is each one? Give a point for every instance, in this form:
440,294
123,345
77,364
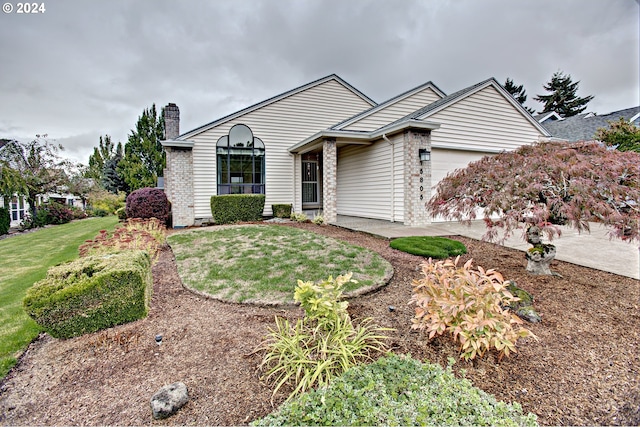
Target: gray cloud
84,69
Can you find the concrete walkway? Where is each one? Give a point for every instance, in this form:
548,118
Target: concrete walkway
593,250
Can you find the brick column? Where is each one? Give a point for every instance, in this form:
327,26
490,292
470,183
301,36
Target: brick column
417,178
178,184
330,181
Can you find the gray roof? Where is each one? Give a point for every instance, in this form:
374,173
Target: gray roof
583,127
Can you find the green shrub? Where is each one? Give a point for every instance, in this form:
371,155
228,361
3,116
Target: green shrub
323,344
230,208
5,221
299,217
318,219
470,304
103,201
398,390
92,293
281,211
430,247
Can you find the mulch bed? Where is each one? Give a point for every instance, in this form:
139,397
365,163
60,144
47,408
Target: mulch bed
584,369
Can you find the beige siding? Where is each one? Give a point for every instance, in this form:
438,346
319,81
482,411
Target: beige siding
484,121
280,125
395,111
364,180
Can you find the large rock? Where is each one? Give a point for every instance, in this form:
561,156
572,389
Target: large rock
523,308
168,400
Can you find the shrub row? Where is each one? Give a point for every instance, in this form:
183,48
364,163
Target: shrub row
230,208
92,293
398,390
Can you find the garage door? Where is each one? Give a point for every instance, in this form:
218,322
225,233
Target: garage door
444,161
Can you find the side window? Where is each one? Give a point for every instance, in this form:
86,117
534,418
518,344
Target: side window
240,162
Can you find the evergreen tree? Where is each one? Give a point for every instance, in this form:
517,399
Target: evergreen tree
144,157
101,153
518,93
563,98
621,135
112,180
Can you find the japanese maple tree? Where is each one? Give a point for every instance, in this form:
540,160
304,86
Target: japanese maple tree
546,184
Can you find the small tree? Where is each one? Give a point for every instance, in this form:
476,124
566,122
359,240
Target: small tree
543,185
40,167
621,135
563,98
518,93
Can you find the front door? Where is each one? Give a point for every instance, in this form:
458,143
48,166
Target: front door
310,187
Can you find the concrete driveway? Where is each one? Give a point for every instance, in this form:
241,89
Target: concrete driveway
594,249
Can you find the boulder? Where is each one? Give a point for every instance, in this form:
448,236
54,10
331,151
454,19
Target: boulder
168,400
523,308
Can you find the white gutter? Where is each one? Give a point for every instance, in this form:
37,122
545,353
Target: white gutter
393,176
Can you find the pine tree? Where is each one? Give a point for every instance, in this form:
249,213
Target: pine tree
112,180
563,98
518,93
144,157
101,153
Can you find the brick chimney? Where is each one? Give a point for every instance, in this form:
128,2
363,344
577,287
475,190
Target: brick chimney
171,121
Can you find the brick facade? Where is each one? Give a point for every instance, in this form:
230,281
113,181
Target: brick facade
417,178
330,181
178,184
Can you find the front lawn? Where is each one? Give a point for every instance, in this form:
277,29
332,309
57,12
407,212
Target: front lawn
25,260
262,263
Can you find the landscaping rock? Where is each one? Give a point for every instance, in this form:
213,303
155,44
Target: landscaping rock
168,400
523,308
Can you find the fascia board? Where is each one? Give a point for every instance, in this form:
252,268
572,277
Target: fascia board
359,137
175,143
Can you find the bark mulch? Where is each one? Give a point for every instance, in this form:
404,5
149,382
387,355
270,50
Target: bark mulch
584,370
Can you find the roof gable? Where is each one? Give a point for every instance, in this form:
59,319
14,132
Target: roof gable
272,100
390,103
447,101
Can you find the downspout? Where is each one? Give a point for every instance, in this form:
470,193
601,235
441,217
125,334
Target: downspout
393,190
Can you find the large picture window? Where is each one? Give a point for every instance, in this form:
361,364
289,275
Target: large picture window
240,162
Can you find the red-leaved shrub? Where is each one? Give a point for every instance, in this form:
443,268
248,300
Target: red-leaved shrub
148,203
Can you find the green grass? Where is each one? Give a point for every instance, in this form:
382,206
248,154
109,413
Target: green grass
25,260
431,247
262,263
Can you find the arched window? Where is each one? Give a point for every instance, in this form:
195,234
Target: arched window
240,162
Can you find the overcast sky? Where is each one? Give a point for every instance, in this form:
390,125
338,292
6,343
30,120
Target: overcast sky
85,68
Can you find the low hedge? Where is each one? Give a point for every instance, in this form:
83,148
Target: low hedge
281,211
230,208
429,247
398,390
91,293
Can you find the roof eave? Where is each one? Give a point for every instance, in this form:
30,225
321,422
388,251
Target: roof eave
175,143
354,137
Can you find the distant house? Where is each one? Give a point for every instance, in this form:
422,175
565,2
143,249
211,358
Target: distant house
327,146
583,127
